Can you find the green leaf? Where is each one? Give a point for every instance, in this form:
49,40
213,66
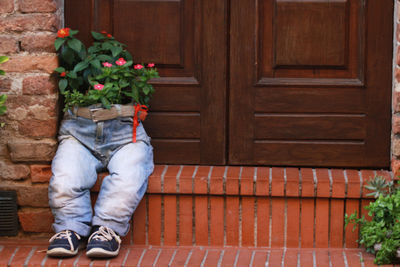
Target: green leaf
73,32
107,46
104,58
72,75
105,102
80,66
2,72
3,110
59,69
96,63
3,99
67,55
115,50
75,44
98,36
62,84
58,43
3,59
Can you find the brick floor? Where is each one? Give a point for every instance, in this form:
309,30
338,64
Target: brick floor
33,254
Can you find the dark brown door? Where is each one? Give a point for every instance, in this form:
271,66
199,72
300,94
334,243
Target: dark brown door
310,82
271,82
187,41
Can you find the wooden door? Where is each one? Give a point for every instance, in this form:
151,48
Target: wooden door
187,41
310,82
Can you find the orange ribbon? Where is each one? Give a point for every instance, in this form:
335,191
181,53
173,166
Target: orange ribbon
138,109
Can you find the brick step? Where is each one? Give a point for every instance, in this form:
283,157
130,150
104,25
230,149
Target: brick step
241,206
33,254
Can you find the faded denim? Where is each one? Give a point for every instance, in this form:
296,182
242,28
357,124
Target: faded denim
85,148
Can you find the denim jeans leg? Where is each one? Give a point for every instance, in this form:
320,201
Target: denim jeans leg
122,190
74,173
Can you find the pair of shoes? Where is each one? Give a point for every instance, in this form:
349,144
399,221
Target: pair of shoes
103,243
64,244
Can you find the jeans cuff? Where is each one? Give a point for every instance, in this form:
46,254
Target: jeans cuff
80,228
120,228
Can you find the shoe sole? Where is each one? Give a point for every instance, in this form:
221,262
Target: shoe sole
61,252
101,253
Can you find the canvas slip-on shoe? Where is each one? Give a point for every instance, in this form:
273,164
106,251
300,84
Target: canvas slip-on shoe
103,243
64,244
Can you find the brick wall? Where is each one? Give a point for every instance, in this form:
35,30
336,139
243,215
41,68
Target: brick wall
27,144
396,94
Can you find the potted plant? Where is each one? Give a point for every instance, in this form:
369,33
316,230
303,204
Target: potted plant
381,234
102,75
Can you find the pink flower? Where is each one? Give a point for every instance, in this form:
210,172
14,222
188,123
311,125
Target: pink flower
120,61
98,86
150,65
107,64
138,67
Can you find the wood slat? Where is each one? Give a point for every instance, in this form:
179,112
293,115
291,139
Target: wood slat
173,125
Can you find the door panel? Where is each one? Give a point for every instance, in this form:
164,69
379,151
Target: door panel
185,38
308,84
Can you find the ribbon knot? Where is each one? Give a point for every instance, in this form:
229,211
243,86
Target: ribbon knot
140,112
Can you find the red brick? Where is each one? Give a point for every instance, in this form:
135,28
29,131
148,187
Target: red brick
278,222
275,258
307,182
216,180
262,222
185,220
292,182
165,257
201,180
37,6
322,222
387,175
37,257
38,128
201,220
397,70
244,258
232,221
5,84
247,181
186,179
395,166
338,183
353,258
154,184
170,220
38,85
278,182
99,181
38,43
232,181
31,22
37,107
154,219
396,146
20,257
217,221
322,258
396,124
117,261
323,183
212,257
248,221
6,6
29,195
353,184
139,223
10,171
396,95
336,221
128,238
307,223
36,220
8,45
291,257
293,223
229,257
25,63
337,258
197,257
180,257
262,183
350,235
135,254
260,258
306,258
40,173
170,179
6,253
368,259
150,257
364,212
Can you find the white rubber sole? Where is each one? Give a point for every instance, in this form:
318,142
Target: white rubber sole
101,253
61,252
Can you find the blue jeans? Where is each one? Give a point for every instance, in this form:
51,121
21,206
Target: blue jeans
87,147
